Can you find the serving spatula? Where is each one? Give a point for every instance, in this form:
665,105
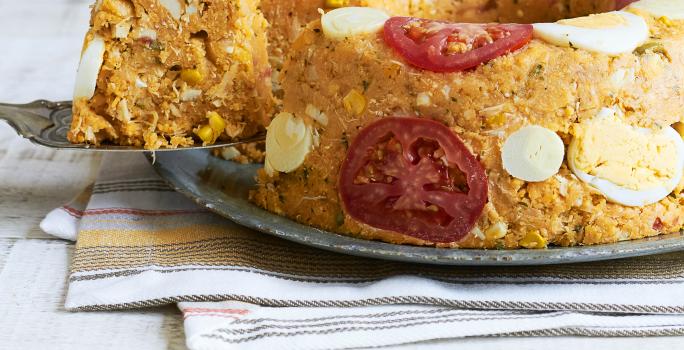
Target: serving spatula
46,123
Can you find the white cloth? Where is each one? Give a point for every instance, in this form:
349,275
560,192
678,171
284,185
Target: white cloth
336,312
235,325
63,222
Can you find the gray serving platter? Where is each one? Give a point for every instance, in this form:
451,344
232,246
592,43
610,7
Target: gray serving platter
223,186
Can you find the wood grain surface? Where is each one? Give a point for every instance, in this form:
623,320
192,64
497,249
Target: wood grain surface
41,41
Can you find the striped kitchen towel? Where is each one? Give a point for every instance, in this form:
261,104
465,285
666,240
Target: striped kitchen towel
141,244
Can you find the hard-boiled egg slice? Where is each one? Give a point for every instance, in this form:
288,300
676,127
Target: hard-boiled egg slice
89,68
672,9
631,166
610,33
288,140
352,21
533,153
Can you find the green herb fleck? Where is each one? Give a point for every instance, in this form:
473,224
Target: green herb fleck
345,140
537,70
157,45
366,84
653,47
339,219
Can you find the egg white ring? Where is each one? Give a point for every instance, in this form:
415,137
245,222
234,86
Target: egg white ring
672,9
600,40
346,22
628,197
89,68
516,162
286,157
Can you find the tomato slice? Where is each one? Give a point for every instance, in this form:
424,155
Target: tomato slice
450,47
413,176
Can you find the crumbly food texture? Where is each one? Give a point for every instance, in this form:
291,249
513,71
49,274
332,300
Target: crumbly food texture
164,73
542,84
144,94
233,48
246,153
287,19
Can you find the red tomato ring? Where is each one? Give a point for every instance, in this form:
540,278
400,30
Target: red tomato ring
415,177
429,52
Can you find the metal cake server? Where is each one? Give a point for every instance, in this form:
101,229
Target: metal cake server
46,123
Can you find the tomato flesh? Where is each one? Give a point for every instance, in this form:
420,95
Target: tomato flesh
413,176
450,47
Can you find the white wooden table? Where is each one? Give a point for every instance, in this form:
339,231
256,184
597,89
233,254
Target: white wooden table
40,41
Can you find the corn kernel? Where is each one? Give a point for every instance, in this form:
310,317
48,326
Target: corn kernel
206,134
217,124
336,3
191,76
496,120
679,126
533,240
242,55
354,102
569,111
665,20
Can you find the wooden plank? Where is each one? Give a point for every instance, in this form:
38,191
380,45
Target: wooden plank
41,41
39,62
32,286
37,180
5,246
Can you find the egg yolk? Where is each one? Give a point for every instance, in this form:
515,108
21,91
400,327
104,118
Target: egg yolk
632,158
598,21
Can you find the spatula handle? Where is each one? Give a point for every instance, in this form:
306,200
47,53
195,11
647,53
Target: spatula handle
43,122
